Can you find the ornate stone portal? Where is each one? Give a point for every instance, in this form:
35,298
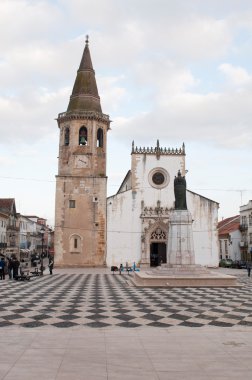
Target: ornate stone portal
154,230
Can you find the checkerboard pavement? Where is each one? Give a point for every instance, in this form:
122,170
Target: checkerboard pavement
104,299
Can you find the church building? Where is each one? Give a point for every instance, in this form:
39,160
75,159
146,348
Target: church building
138,216
132,225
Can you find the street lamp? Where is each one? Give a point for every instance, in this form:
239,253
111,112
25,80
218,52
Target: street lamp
42,232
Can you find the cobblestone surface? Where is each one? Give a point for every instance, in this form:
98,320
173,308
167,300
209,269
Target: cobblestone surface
102,299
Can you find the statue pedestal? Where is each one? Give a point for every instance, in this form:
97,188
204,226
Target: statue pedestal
180,249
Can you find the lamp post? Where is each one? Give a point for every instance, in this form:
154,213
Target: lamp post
42,232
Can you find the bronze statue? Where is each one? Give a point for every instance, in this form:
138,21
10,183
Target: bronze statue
180,192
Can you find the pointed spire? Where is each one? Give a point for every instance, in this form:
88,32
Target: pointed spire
86,62
133,147
85,95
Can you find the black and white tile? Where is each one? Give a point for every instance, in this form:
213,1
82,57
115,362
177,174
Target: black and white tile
100,300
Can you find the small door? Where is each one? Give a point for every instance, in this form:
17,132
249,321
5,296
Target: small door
157,254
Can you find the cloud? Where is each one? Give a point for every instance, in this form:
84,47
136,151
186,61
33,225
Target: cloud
141,52
112,93
237,76
26,22
30,116
174,70
222,118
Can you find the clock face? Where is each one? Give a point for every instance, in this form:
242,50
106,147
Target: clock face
81,161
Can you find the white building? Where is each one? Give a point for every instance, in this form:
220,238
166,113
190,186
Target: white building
246,230
138,215
3,231
28,234
229,238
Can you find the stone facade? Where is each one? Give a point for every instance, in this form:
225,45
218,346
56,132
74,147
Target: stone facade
81,183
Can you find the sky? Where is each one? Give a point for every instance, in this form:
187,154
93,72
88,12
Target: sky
178,71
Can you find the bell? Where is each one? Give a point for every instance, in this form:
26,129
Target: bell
83,140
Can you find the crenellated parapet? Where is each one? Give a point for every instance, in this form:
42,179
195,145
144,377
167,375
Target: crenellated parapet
157,150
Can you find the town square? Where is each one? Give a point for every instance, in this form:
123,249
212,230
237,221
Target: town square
92,324
125,190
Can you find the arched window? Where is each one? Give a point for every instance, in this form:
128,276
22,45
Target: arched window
66,136
75,244
83,137
99,143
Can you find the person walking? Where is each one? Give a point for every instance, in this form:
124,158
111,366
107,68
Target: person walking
15,267
50,264
9,266
2,269
121,269
249,268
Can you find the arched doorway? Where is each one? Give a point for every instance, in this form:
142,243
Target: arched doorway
158,247
157,254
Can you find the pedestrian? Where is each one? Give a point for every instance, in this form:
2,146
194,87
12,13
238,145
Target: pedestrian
9,266
134,266
2,269
15,267
249,268
121,269
50,264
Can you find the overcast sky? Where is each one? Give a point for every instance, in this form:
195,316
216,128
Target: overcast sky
178,71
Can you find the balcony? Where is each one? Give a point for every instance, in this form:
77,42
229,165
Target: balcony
243,227
243,244
12,228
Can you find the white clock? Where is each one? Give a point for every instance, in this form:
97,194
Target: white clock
81,161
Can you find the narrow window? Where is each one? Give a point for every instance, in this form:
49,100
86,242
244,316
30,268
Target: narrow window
83,138
75,244
66,137
99,138
244,221
71,203
250,220
226,248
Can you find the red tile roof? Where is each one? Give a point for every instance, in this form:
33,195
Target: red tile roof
229,225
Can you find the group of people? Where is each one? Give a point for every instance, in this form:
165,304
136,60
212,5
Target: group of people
12,266
127,267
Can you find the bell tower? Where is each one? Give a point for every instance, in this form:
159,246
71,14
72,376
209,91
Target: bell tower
81,183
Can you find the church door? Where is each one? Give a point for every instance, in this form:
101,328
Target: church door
157,254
